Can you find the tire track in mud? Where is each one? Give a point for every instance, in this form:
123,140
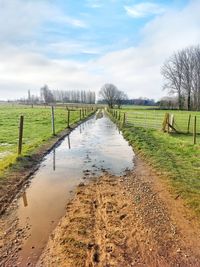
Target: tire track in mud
117,221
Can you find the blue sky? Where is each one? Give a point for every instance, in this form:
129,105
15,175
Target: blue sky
84,44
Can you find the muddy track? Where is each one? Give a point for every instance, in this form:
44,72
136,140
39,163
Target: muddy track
122,221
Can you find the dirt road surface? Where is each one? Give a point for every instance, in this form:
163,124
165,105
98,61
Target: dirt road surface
124,221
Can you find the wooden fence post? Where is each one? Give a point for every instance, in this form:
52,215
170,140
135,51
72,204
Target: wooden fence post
21,127
68,118
188,126
53,120
119,116
195,130
124,119
165,122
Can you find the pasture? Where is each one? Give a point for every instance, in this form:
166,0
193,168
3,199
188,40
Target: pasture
37,128
173,155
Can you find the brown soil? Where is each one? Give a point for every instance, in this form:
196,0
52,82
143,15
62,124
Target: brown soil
17,175
124,221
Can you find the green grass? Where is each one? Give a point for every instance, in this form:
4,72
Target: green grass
174,155
153,118
37,129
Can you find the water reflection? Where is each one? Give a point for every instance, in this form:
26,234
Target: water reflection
91,148
69,144
54,159
25,201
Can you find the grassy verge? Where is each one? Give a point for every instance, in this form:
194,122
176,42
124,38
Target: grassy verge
173,156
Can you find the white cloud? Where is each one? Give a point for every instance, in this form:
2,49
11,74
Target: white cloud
135,70
94,3
21,20
144,9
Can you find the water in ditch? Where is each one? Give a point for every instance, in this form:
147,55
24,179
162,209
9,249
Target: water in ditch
93,147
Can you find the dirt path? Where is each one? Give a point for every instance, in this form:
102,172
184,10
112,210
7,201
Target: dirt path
124,221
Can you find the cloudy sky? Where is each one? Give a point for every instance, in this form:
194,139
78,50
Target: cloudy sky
82,44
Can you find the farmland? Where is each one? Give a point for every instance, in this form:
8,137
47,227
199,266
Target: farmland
173,155
37,129
102,190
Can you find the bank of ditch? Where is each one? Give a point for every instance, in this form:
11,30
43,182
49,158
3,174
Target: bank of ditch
176,162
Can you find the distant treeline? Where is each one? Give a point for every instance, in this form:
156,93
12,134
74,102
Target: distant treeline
135,101
48,96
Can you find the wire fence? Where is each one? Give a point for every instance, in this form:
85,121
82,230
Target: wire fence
23,128
179,122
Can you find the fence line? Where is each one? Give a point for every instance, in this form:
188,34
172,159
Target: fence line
52,119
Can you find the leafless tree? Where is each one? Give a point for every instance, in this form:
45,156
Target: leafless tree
74,96
46,95
172,71
120,97
182,76
111,95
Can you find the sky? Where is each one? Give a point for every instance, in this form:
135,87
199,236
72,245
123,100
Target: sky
83,44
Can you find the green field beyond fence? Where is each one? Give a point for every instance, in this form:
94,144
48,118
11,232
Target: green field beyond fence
174,155
37,128
153,119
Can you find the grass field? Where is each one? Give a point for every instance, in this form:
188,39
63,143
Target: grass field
37,129
153,119
171,154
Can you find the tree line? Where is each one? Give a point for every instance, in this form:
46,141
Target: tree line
48,96
181,74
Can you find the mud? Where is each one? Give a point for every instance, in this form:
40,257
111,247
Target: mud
123,221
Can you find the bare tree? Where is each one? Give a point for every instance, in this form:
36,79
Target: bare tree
46,95
111,95
172,72
182,76
120,97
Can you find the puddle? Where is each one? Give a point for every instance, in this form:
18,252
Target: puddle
91,148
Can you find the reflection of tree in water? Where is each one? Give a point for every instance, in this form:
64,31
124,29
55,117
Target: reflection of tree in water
99,114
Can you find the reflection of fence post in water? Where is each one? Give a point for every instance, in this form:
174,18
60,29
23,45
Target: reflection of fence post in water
54,159
25,201
69,144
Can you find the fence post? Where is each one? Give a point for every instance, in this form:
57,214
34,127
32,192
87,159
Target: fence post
53,120
165,122
21,127
68,118
188,127
80,114
119,116
195,130
124,119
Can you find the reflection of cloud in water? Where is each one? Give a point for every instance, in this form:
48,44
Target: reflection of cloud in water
93,146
